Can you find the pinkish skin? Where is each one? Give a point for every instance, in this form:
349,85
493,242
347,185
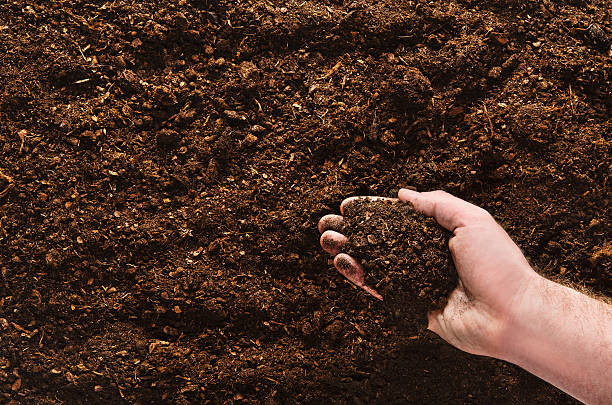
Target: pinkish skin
353,271
332,241
502,308
331,222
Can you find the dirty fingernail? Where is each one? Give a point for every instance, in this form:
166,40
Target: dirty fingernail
332,241
349,268
331,222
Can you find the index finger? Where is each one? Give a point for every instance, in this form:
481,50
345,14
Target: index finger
449,211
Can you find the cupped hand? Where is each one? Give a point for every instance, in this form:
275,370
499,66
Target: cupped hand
493,273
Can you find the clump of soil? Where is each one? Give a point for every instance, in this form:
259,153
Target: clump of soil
407,88
404,253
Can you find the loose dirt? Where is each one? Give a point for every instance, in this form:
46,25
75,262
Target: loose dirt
169,161
405,256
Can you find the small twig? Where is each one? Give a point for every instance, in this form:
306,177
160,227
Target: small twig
11,183
488,118
345,17
42,336
572,99
331,71
82,54
22,135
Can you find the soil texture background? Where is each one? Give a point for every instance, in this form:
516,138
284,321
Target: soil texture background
163,166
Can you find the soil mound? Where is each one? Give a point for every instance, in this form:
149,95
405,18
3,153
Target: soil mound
405,254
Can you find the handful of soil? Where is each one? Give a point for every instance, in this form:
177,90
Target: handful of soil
404,254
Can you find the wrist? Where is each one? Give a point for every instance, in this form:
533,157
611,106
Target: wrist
561,336
517,317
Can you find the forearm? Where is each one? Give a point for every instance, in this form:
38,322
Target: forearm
563,337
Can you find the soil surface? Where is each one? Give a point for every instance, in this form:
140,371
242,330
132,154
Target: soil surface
405,257
164,165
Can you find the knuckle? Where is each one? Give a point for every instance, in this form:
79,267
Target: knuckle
475,215
482,214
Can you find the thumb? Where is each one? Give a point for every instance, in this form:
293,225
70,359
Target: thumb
450,212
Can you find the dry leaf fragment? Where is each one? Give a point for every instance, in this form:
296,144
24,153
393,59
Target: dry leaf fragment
16,385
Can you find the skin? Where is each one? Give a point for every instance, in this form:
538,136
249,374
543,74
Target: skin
502,308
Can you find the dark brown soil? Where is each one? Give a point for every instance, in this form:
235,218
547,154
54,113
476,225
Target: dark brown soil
169,161
405,256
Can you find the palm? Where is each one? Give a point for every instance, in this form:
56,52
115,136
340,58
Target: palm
491,268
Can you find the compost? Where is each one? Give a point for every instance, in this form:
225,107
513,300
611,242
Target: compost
163,166
405,257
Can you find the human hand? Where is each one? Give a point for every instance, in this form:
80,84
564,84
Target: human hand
493,273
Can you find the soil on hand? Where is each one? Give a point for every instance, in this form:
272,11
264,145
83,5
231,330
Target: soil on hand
405,256
170,160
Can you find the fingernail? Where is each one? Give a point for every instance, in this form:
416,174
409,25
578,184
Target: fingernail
333,222
347,203
332,242
349,268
